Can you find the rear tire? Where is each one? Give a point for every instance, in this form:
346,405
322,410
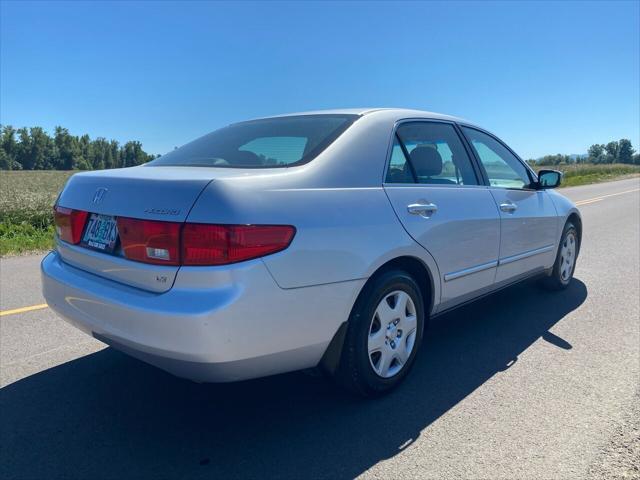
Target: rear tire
566,258
384,333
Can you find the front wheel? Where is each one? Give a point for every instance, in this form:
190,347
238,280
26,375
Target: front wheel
383,336
566,257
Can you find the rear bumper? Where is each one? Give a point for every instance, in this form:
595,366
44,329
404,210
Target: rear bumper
215,324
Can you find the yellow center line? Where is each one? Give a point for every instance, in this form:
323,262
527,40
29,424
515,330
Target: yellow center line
23,309
602,197
587,202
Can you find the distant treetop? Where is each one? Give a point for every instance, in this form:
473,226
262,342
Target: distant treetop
613,152
33,149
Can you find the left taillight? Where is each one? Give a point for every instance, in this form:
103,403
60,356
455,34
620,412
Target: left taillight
204,244
69,223
172,243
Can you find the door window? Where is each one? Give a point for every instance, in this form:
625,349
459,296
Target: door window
436,156
399,170
503,167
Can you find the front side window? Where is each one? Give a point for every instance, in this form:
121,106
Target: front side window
436,156
266,143
503,167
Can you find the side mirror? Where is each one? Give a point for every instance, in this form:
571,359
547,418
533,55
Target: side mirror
549,179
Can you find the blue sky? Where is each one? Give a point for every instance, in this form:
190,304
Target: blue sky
546,77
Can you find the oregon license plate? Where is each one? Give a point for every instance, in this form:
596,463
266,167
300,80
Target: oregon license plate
101,233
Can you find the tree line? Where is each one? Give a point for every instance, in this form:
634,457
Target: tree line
621,151
34,149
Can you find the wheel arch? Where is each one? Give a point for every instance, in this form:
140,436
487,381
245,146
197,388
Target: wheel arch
418,271
576,220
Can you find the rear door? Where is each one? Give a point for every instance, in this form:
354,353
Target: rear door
529,221
435,191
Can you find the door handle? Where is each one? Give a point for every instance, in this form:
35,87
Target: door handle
508,207
423,209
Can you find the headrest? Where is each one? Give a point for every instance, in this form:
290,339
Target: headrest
426,161
244,158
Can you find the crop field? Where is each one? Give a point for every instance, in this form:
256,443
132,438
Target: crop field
27,197
585,173
26,215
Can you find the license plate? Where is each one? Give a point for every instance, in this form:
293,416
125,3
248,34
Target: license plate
100,233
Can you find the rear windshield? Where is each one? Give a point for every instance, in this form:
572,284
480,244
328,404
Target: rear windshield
267,143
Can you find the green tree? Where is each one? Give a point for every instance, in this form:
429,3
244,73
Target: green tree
5,162
127,155
612,152
625,151
9,145
85,160
23,152
41,149
100,150
68,149
132,154
109,161
115,154
555,159
596,153
34,149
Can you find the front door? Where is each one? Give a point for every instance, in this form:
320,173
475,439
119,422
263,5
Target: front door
529,224
436,193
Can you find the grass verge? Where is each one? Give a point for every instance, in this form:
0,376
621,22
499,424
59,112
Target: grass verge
584,174
26,214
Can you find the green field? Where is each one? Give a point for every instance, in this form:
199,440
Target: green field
583,174
27,197
26,215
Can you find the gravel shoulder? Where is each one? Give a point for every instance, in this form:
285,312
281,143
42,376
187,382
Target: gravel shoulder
620,458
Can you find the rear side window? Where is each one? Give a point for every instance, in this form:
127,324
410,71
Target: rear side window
436,156
267,143
399,169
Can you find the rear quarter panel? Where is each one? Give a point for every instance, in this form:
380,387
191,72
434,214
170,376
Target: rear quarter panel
341,233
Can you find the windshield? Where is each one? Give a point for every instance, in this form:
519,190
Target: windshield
267,143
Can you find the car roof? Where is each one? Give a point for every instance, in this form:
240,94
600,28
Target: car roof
396,113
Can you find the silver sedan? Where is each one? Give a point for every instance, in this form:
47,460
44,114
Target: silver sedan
324,239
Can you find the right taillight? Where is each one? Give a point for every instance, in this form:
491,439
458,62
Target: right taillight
204,244
149,241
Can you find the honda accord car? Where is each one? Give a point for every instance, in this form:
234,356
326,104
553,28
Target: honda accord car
324,239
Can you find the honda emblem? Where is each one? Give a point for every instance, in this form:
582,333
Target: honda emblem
99,195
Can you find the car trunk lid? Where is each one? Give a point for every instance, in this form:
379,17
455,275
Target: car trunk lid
150,193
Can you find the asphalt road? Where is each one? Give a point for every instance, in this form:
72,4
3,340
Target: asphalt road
522,384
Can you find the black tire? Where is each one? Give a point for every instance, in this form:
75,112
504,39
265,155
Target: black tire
556,281
355,371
